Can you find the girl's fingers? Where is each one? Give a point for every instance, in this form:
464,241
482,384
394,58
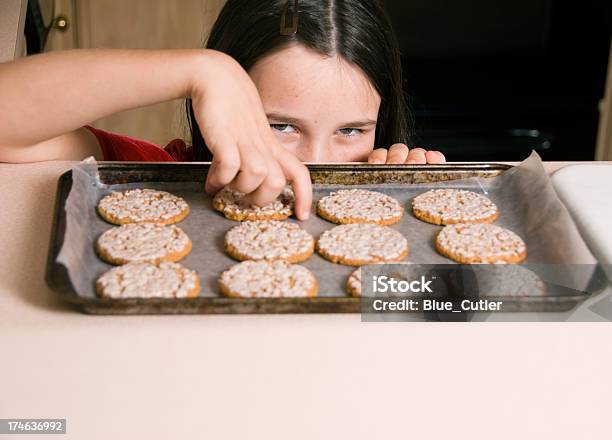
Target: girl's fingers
435,157
416,156
253,170
270,187
378,156
224,167
398,153
299,177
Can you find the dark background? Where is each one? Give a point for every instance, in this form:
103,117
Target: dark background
492,80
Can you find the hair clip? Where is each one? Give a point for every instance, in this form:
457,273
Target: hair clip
289,24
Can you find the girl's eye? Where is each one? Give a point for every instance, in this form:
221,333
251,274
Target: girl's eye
283,128
350,131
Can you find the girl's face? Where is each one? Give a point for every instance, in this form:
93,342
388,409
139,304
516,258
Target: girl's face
323,109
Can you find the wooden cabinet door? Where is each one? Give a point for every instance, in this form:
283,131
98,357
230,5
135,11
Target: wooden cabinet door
142,24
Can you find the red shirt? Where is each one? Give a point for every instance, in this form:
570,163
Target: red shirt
116,147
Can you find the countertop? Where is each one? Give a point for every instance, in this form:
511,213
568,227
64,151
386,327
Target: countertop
289,377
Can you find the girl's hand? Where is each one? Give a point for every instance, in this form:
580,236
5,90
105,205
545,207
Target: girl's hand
400,153
247,157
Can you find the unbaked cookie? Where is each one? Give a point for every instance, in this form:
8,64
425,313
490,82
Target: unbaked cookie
480,243
232,206
359,206
450,206
139,242
269,240
362,243
268,279
142,205
149,280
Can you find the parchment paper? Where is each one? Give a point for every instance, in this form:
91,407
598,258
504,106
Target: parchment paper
525,197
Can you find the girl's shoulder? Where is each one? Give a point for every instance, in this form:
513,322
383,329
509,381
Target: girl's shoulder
116,147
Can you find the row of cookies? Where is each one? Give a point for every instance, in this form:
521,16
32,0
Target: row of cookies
468,236
145,245
267,248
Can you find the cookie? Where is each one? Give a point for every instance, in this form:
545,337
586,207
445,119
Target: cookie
362,243
268,279
269,240
140,242
232,206
360,206
142,205
450,206
149,280
480,243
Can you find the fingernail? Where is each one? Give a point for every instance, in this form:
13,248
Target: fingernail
412,162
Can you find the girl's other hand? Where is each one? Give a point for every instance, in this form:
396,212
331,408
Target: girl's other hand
400,153
247,157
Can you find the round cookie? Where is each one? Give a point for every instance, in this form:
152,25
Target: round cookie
450,206
357,244
149,280
359,206
269,240
232,206
140,242
142,205
480,243
268,279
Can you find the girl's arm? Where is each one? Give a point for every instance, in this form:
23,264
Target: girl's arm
45,100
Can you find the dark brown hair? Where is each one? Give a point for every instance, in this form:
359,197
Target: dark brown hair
357,30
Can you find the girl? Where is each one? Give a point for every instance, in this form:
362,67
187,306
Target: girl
280,82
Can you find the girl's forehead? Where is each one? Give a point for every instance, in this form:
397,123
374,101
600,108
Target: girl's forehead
302,80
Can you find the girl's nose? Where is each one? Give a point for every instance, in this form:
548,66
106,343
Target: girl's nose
314,151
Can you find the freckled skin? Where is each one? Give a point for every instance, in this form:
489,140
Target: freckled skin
328,94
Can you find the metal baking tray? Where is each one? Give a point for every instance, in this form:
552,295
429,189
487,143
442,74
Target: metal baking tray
332,297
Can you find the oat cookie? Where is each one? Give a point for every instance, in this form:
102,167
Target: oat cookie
480,243
142,205
149,280
269,240
140,242
362,243
268,279
360,206
231,205
450,206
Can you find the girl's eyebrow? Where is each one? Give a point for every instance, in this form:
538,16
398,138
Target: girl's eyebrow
296,121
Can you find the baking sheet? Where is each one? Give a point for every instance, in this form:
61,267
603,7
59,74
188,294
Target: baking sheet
526,199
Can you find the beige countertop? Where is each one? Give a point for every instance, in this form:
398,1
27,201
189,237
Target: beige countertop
289,377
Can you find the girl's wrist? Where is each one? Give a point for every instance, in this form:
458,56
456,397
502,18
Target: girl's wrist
209,68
